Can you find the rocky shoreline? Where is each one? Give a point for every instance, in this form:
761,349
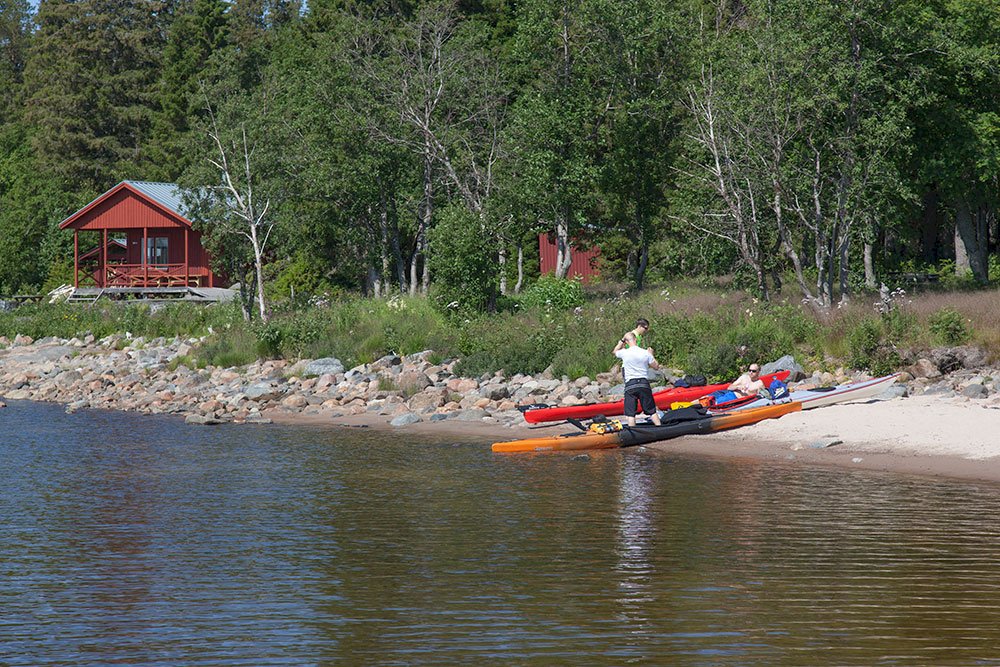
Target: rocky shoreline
132,374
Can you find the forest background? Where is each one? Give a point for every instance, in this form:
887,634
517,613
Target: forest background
815,148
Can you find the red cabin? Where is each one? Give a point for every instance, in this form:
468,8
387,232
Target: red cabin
140,239
583,263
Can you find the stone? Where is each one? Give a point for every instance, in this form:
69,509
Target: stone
785,363
325,366
462,385
498,393
201,420
823,443
406,419
413,381
431,397
975,391
295,402
924,368
20,340
263,391
893,391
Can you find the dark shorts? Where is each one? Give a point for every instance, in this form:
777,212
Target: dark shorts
638,392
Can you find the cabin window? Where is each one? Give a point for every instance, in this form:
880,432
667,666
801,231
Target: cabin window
156,251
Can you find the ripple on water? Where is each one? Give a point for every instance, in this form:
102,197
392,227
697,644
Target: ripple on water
147,541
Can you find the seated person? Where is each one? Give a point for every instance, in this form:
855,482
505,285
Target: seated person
749,383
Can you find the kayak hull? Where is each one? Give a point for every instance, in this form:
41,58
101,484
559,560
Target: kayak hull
646,433
855,391
613,408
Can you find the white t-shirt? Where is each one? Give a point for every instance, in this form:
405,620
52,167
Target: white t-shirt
635,362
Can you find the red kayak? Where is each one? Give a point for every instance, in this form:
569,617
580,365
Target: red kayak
663,400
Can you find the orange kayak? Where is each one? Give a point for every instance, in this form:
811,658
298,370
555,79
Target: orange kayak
690,422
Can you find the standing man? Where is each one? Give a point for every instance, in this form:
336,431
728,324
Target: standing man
636,362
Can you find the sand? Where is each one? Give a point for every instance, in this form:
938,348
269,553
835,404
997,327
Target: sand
926,435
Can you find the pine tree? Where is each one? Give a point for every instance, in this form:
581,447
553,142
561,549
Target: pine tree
15,24
90,80
198,30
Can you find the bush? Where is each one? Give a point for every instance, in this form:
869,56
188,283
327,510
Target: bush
553,293
869,349
948,327
464,264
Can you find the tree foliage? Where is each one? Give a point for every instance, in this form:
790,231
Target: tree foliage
421,146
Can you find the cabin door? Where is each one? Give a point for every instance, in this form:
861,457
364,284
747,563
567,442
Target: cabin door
157,252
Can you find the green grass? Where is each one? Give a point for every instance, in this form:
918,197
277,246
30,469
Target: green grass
709,331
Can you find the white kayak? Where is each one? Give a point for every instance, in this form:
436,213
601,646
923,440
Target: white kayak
817,398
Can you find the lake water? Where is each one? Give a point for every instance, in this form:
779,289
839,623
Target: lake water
144,541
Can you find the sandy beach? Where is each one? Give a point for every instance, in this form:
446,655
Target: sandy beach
926,435
947,425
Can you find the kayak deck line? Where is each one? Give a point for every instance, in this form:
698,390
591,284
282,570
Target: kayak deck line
640,435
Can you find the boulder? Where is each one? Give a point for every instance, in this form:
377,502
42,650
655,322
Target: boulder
946,359
201,420
975,390
262,391
429,398
497,393
327,365
406,419
785,363
413,381
295,402
924,368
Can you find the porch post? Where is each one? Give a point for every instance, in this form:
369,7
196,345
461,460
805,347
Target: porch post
76,258
186,269
145,252
104,258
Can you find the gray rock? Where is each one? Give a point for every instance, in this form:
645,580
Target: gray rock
262,391
825,442
893,391
785,363
327,365
67,378
946,359
201,420
497,393
940,389
440,416
975,391
406,419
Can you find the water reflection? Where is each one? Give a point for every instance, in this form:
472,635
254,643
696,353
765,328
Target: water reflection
145,541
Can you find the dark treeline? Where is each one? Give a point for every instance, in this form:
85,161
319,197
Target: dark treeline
403,146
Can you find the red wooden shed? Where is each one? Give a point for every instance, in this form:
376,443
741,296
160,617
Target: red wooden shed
583,263
161,247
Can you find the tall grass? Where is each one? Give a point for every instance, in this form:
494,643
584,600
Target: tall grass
698,330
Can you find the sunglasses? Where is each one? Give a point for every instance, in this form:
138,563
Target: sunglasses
755,370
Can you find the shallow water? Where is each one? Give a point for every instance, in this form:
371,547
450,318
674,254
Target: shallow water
141,540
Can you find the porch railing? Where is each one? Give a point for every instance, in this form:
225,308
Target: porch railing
150,275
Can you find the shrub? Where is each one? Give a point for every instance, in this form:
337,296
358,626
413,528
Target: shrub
868,349
554,293
948,327
464,263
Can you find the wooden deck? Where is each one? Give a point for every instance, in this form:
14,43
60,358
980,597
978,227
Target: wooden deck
152,294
